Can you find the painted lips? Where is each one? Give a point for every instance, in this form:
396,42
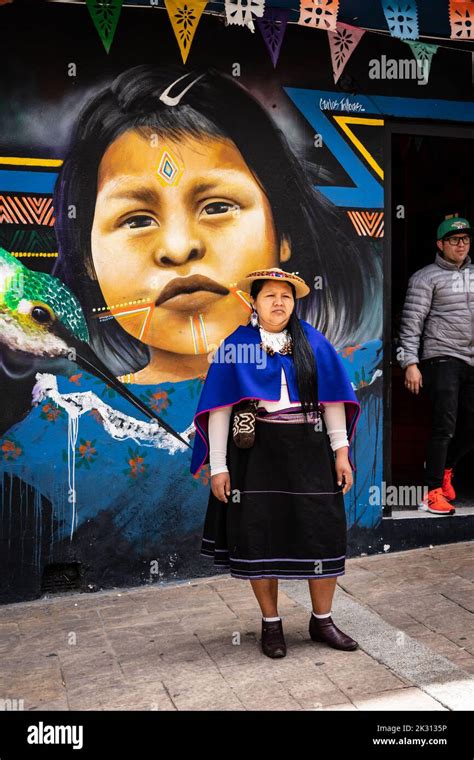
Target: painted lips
186,285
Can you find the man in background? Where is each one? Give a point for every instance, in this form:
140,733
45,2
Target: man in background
439,308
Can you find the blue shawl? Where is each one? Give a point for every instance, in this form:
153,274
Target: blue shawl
241,370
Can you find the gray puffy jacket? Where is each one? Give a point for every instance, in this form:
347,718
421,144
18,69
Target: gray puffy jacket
439,309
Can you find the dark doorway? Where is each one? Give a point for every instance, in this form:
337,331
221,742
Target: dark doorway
431,177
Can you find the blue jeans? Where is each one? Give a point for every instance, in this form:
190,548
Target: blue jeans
449,382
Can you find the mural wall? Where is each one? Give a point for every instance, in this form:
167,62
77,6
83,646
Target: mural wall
134,194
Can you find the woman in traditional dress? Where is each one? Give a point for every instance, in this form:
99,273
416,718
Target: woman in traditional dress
285,515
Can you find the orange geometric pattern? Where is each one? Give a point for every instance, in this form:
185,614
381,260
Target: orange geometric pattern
367,223
16,209
135,320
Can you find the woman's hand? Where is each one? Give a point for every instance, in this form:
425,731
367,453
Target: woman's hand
343,469
220,486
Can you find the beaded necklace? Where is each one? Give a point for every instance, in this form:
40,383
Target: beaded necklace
272,342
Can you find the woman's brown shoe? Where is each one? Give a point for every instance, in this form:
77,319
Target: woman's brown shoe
273,641
323,629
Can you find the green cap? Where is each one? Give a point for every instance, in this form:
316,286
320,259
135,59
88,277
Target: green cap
452,226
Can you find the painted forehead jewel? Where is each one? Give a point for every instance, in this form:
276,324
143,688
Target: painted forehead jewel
173,101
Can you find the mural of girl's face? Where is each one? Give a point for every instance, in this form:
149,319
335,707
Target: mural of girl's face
167,212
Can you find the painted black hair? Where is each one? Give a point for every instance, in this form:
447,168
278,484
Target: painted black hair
215,106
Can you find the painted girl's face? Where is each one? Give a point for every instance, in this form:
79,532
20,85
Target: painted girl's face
176,225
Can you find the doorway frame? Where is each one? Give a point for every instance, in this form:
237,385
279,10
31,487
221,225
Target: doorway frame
424,128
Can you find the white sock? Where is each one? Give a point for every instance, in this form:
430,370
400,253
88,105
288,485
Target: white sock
270,620
326,614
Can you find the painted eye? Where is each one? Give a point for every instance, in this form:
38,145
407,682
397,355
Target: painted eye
42,315
137,222
219,207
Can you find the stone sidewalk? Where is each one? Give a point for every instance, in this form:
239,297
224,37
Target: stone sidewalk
195,645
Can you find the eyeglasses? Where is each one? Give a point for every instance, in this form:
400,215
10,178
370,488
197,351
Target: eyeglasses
465,239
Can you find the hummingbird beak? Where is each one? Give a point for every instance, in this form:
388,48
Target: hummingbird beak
90,362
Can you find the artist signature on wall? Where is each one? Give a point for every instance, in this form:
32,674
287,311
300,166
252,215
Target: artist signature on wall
340,104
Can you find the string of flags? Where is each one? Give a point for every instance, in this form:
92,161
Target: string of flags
401,17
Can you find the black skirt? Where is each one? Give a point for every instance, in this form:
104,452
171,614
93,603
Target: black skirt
285,516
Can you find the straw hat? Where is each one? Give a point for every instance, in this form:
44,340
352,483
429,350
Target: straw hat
274,273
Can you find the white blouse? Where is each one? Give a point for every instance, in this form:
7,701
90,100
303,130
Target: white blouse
219,419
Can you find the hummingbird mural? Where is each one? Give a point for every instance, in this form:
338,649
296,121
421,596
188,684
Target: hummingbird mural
41,320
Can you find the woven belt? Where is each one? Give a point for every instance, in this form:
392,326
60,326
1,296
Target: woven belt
295,415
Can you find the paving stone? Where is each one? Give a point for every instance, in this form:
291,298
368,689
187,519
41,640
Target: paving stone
225,651
315,692
355,685
267,695
211,692
76,670
152,696
458,620
203,621
157,626
467,665
257,671
130,615
143,668
79,622
57,704
51,640
442,645
155,615
149,638
34,691
461,637
402,699
465,598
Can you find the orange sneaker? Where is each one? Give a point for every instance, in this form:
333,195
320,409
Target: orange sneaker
435,502
448,491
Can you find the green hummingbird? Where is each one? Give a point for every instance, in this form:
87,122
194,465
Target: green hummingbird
40,317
